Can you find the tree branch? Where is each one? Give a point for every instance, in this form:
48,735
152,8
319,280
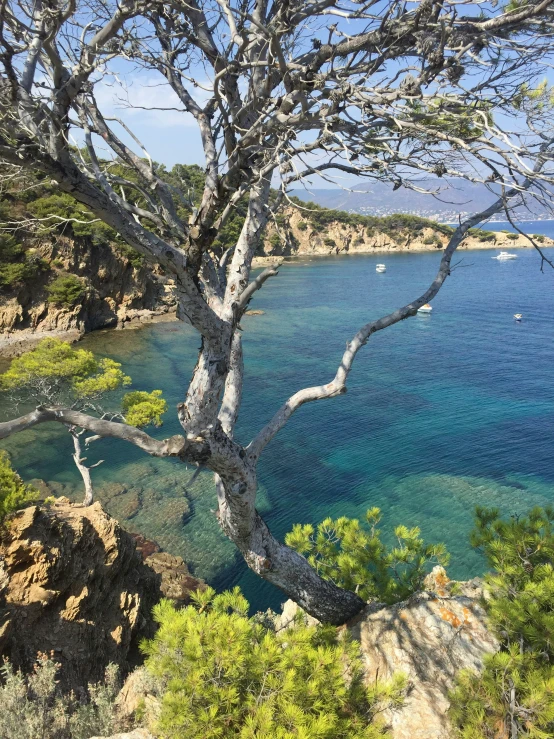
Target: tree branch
337,386
175,446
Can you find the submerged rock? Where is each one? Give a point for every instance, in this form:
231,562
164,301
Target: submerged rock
73,583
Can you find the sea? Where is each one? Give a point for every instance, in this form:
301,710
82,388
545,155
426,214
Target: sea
443,412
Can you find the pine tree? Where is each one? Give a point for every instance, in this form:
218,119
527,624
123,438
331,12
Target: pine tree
515,695
227,675
354,557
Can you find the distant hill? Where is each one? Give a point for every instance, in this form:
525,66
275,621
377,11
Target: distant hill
457,198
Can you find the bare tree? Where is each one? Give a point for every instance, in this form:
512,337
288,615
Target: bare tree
280,91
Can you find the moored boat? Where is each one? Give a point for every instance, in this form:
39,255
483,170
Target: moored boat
380,268
505,255
425,308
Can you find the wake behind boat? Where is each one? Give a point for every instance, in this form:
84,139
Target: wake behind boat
505,255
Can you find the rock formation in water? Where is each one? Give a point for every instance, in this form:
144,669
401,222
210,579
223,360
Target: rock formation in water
117,289
72,582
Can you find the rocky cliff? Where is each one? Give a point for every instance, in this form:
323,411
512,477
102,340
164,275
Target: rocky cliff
72,582
318,232
117,289
429,638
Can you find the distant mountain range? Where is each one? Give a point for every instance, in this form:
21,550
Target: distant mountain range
456,198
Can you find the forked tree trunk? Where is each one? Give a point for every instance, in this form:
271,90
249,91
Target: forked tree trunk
83,469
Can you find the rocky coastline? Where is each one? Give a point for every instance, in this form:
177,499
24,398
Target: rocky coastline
122,292
75,585
119,291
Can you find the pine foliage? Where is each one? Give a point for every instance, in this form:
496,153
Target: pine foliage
515,695
14,493
227,675
354,556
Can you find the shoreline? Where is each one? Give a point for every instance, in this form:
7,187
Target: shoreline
16,343
268,261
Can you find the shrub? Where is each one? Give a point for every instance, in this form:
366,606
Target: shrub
227,675
432,240
58,263
515,694
302,226
65,290
330,242
14,493
356,559
33,708
512,237
275,240
134,257
539,237
141,408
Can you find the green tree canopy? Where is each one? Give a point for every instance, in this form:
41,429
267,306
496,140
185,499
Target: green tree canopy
227,675
354,557
515,695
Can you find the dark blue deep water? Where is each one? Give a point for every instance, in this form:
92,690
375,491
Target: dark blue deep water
443,412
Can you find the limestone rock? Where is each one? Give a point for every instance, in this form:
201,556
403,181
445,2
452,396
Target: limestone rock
429,637
73,583
118,293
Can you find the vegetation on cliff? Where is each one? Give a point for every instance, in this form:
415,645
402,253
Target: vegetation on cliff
226,675
354,556
514,697
14,493
33,706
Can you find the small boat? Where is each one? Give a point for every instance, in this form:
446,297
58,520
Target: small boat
380,268
505,255
518,316
425,308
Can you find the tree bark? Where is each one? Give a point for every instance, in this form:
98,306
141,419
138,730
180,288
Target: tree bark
83,469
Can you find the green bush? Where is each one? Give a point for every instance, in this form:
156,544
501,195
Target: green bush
302,226
275,240
14,493
515,695
512,237
356,559
227,675
32,707
134,257
540,238
330,242
65,290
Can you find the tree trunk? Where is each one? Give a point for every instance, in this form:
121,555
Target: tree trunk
83,469
278,563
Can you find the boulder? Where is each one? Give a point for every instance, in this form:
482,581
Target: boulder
72,583
430,637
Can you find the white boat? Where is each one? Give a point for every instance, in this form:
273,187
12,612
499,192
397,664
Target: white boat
505,255
380,268
518,316
425,308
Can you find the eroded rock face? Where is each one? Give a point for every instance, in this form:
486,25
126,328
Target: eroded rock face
118,292
430,637
73,583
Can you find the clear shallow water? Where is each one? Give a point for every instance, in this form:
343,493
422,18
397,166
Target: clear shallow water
443,412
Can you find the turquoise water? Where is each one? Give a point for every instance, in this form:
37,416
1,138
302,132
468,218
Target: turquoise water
443,412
